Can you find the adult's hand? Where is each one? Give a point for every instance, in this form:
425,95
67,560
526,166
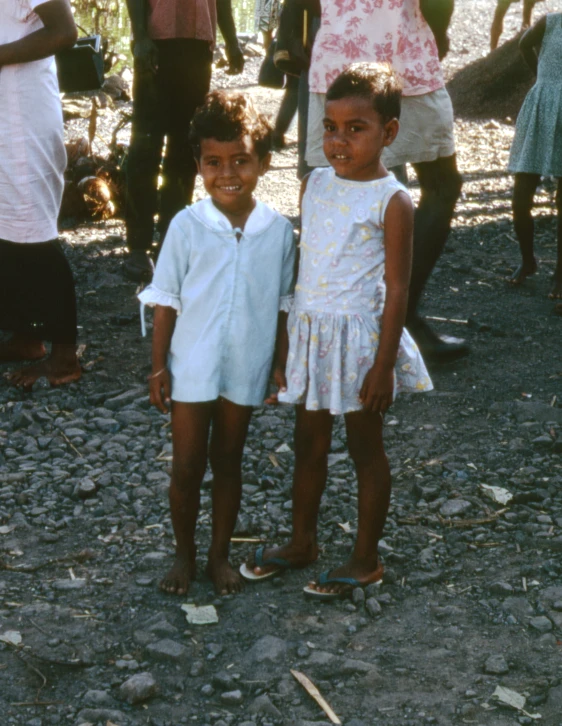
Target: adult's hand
235,60
145,54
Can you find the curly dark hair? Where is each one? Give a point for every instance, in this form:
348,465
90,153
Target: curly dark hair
227,116
377,82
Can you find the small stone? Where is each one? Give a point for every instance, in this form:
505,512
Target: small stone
138,688
97,698
167,650
501,588
232,698
541,623
372,606
268,649
263,705
455,507
496,665
358,596
207,690
86,489
76,584
197,669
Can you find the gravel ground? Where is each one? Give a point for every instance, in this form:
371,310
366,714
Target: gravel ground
472,595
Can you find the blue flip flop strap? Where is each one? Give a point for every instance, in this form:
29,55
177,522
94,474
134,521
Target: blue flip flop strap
260,562
325,579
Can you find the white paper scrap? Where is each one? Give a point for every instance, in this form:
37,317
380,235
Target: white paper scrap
497,494
12,637
200,615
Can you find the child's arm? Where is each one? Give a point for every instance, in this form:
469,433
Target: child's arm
378,387
282,340
159,380
530,44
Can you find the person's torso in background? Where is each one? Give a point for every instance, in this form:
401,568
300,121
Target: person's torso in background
170,19
392,31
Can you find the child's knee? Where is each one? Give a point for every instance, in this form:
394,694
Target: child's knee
225,463
188,471
312,449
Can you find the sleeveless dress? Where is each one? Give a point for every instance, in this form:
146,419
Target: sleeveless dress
335,322
537,145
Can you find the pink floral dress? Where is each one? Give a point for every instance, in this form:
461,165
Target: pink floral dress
335,322
391,31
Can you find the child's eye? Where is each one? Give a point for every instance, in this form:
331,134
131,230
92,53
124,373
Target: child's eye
355,129
329,127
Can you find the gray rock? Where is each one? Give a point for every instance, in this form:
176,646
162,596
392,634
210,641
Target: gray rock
501,588
356,666
96,715
98,698
167,650
65,585
132,418
496,665
123,399
232,698
107,425
268,649
138,688
86,489
541,623
373,607
263,705
358,596
455,507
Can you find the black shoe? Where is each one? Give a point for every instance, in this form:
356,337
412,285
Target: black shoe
437,347
138,266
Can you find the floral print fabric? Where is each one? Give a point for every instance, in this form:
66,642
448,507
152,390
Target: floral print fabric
392,31
335,323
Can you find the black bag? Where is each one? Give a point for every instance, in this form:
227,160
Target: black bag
80,68
270,76
293,39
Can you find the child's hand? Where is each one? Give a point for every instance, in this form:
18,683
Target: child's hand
160,390
281,383
377,390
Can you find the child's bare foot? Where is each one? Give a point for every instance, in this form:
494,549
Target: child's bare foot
556,290
179,578
21,347
293,557
56,370
223,576
525,270
344,579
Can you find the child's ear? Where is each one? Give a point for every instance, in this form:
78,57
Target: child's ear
391,129
265,163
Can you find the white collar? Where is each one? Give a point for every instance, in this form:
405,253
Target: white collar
208,214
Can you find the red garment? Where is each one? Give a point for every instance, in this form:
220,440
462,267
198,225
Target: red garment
169,19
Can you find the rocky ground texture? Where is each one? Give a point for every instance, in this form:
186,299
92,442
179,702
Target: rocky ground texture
472,594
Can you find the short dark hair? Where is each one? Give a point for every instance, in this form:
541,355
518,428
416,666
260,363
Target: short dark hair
377,82
228,116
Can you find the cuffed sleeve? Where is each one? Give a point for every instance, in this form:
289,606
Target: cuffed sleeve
152,296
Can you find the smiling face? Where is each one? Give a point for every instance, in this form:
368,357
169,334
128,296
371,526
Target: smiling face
354,137
230,171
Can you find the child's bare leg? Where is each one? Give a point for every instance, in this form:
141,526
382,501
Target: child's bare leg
497,24
364,437
556,291
60,367
21,347
528,6
190,433
230,428
313,436
524,190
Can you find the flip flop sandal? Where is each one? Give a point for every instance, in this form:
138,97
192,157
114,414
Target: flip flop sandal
281,563
350,582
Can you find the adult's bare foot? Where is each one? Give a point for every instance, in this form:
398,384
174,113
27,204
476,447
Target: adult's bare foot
179,577
21,347
60,367
525,270
224,577
294,555
556,289
361,573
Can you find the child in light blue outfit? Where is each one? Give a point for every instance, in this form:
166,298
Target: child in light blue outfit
222,283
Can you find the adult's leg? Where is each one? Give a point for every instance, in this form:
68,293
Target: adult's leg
313,436
440,187
143,163
364,438
287,111
528,6
524,189
497,23
185,70
556,291
230,428
190,433
47,310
